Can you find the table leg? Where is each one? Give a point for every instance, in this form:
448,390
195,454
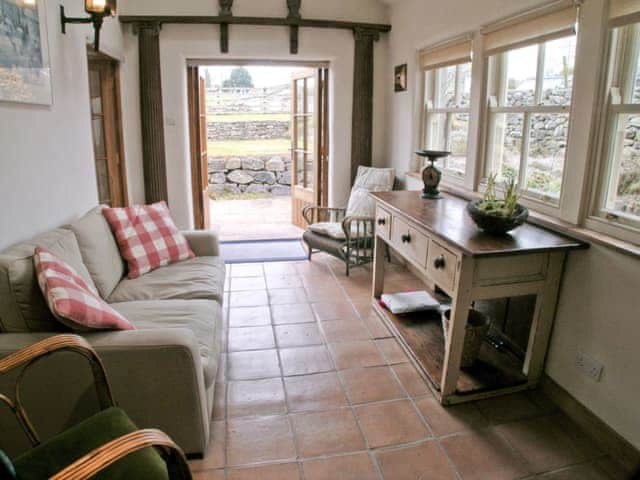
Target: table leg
378,267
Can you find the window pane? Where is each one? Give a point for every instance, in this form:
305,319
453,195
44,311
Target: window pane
559,59
506,144
300,131
300,168
309,168
464,84
446,87
458,142
437,127
624,185
521,75
311,90
547,148
636,76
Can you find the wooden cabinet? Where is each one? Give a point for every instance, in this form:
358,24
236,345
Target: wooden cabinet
439,239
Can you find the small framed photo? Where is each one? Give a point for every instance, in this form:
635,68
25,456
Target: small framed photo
400,78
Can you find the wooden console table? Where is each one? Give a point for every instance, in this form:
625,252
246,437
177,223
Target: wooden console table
439,239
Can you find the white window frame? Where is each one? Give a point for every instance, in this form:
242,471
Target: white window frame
622,63
429,95
496,95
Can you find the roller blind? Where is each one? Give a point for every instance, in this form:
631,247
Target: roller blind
622,12
540,25
452,52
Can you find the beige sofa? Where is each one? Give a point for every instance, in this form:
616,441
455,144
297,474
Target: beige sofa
163,373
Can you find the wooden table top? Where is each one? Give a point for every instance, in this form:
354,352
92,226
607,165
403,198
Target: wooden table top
448,219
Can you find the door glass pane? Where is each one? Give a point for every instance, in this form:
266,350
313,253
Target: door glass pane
547,150
437,131
623,196
505,144
102,175
311,95
98,137
300,95
446,87
300,130
559,59
300,168
521,65
308,158
458,142
464,84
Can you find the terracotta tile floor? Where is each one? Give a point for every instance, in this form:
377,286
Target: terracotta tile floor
312,386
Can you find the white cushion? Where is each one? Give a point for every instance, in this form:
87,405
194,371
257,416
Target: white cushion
368,179
328,229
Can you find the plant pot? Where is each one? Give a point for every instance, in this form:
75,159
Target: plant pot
496,224
475,331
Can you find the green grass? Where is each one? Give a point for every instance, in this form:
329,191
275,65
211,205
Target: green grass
248,147
249,117
238,196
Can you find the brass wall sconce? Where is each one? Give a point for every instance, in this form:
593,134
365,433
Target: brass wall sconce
97,10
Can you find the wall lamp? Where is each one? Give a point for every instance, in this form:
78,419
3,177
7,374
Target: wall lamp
97,10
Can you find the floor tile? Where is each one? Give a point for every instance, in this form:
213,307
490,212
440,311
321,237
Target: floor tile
450,419
542,443
341,331
209,475
286,296
376,326
246,270
316,292
348,467
253,298
392,351
334,310
214,455
390,423
411,380
321,391
294,313
247,283
260,439
282,471
424,461
251,338
256,397
219,401
253,365
356,354
280,268
283,281
249,316
305,360
483,455
372,384
298,335
324,433
585,471
508,408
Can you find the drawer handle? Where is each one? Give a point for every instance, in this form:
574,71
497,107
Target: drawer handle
381,221
406,238
439,263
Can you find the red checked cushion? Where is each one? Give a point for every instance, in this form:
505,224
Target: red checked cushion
70,299
147,237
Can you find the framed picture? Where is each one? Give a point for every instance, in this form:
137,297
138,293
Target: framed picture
25,71
400,78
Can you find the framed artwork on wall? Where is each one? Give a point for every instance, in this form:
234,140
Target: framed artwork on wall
25,70
400,78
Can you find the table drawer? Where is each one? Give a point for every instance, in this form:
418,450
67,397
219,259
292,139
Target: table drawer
409,241
442,266
383,223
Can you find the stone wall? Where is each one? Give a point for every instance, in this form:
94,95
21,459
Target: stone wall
266,174
252,130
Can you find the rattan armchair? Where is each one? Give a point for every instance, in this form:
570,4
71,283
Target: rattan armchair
126,453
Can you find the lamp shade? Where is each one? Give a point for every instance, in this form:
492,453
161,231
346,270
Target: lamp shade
104,7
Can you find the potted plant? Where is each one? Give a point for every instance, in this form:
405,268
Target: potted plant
496,216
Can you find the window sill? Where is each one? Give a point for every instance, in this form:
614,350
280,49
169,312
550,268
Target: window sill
555,224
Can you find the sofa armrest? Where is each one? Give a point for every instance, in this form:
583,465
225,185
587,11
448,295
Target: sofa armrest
156,376
204,243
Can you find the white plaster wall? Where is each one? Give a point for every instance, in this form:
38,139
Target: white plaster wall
599,303
47,173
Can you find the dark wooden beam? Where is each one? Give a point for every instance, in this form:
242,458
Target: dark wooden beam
294,14
224,11
362,111
151,113
268,21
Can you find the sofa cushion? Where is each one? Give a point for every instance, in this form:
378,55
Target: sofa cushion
202,317
99,250
196,278
22,305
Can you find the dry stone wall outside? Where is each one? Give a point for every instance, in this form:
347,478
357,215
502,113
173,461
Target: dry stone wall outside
262,174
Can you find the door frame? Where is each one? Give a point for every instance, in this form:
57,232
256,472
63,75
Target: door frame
198,174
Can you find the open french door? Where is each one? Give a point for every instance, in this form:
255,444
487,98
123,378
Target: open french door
309,141
198,141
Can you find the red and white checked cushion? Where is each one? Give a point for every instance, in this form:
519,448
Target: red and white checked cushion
70,299
147,237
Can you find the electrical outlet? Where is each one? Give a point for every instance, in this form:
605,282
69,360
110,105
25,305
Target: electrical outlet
590,367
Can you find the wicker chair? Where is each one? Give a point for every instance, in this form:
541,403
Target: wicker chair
106,445
348,233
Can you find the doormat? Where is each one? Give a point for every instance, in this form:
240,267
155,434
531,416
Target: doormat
255,251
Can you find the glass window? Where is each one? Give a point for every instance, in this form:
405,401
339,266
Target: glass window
446,114
529,97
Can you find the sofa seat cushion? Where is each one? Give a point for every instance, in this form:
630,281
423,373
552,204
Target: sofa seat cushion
196,278
202,317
